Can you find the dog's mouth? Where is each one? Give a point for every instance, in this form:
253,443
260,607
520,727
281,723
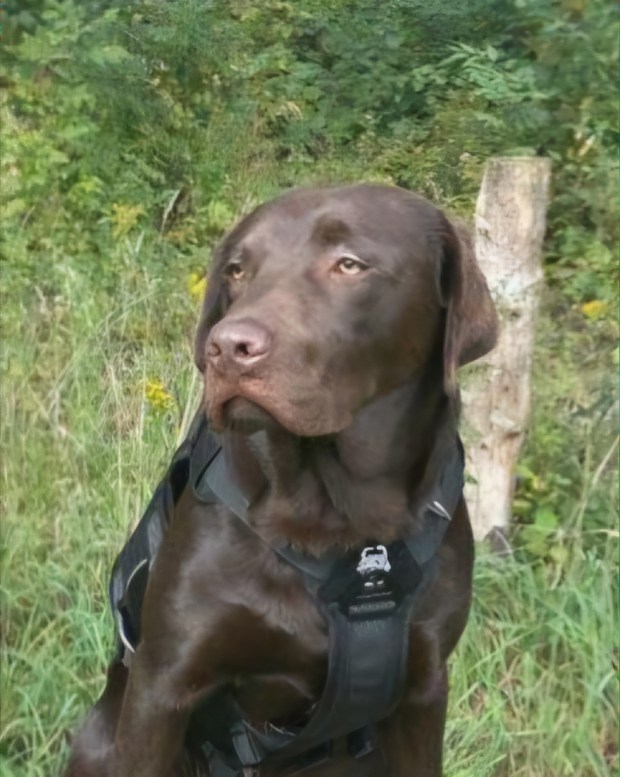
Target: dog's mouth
253,404
240,406
246,416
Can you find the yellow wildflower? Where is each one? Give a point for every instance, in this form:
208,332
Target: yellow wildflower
157,396
124,218
197,285
594,309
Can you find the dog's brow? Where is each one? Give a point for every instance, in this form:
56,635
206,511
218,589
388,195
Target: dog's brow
238,254
331,230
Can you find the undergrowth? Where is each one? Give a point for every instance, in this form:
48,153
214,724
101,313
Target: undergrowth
90,418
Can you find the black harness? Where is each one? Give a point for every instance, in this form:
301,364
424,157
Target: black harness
367,597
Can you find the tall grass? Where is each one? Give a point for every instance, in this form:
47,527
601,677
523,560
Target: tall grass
533,680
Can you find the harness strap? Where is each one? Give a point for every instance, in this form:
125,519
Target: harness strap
359,690
131,568
216,485
435,515
367,600
439,505
368,613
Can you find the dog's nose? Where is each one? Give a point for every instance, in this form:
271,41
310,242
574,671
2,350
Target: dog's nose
238,344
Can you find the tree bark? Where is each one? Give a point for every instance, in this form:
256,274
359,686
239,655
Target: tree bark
509,231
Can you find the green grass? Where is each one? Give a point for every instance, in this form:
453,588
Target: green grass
533,680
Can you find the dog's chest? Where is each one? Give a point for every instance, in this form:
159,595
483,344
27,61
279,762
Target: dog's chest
276,642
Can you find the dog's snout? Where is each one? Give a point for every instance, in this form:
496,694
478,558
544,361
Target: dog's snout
238,344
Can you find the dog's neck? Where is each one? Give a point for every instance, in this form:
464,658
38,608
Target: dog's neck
356,485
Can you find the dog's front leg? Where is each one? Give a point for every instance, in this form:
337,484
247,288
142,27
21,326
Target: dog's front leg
153,720
412,738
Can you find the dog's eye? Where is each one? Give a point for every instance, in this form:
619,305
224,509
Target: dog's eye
350,265
235,271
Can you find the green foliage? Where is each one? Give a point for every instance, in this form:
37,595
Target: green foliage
133,136
566,497
154,124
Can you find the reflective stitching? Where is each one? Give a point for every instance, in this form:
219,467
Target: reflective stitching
119,615
438,508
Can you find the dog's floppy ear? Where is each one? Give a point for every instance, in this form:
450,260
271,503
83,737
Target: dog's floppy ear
213,306
471,321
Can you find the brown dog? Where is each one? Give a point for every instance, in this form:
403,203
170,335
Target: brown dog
331,331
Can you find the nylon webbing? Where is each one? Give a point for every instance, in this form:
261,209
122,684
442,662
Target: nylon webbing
367,599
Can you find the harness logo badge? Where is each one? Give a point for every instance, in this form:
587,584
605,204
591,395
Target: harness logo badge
374,559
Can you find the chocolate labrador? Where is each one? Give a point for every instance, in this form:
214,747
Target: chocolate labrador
331,331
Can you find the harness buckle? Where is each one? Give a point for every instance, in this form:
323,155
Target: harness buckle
375,597
248,750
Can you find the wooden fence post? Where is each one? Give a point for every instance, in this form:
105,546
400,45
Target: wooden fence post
509,231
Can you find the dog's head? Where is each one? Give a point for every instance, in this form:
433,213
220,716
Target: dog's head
325,299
